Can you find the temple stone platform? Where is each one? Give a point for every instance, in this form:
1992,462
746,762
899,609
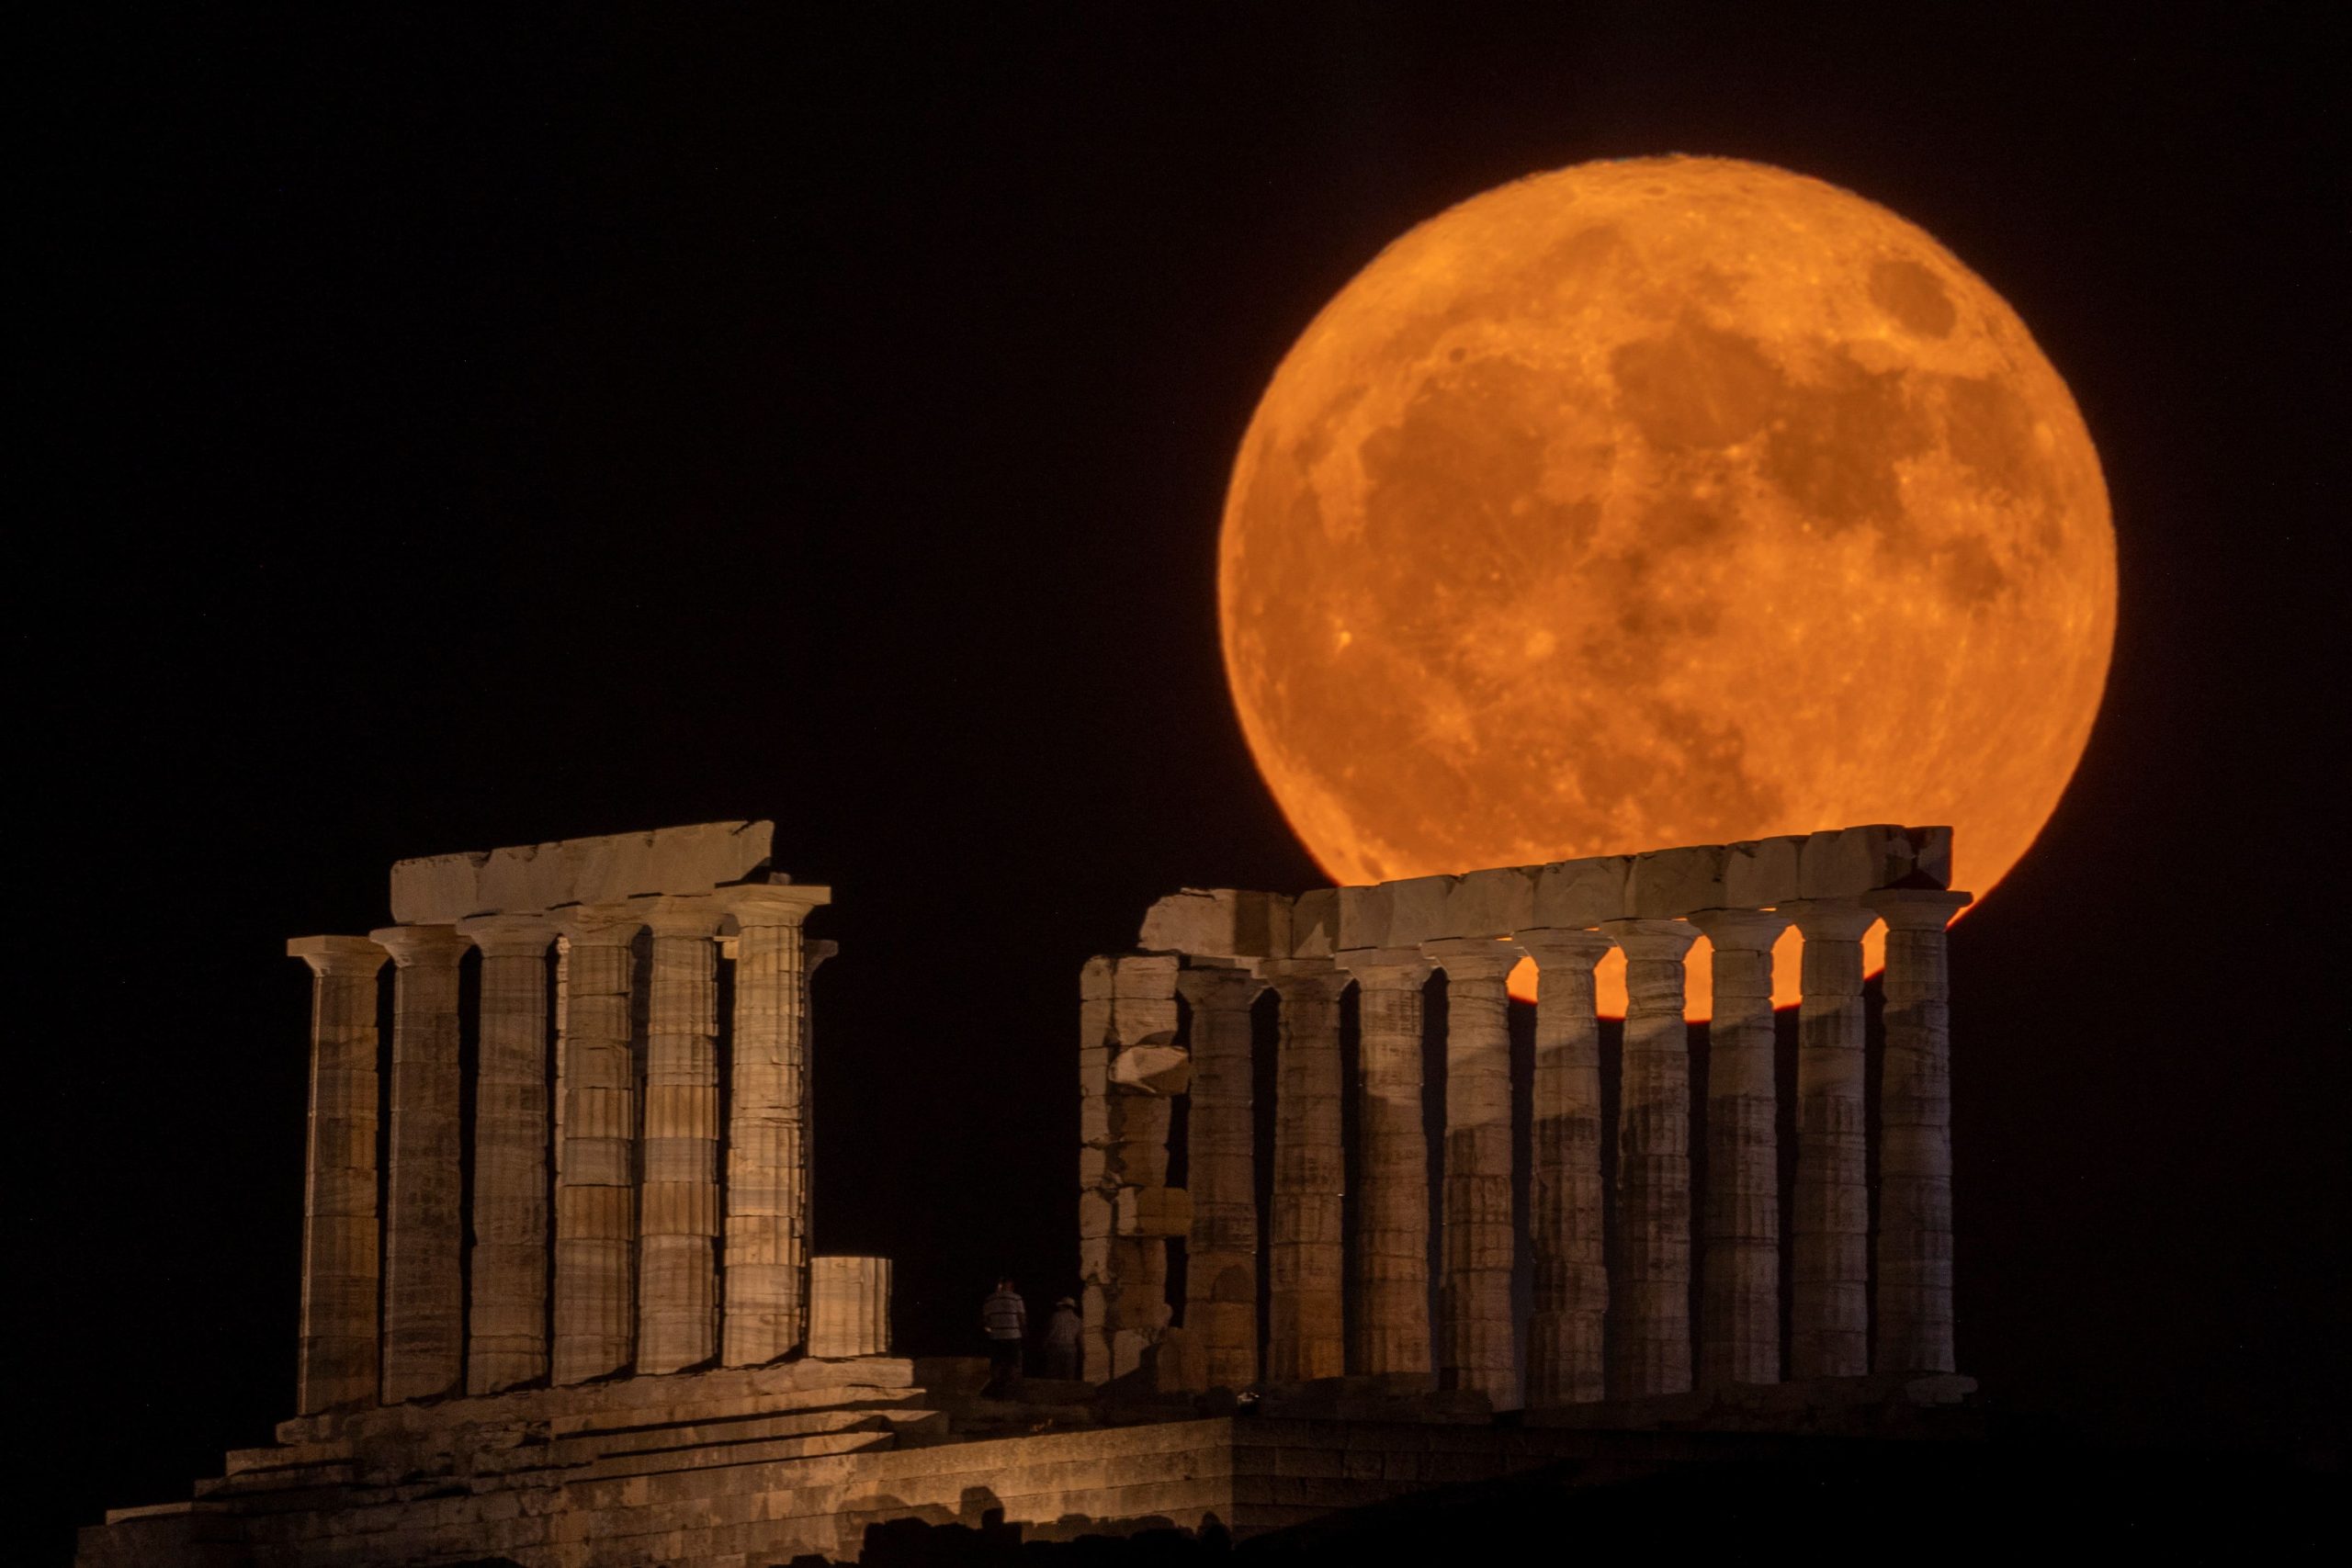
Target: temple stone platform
749,1468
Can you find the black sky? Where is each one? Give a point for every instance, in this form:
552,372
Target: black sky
445,435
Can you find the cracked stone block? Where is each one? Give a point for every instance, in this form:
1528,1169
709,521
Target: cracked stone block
1364,915
1493,903
1416,910
1219,922
1844,862
1578,893
1154,1069
1760,874
1667,884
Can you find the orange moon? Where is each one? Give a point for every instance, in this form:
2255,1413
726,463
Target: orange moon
1664,501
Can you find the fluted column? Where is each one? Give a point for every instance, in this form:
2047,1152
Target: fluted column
1567,1190
1914,1314
1391,1263
1306,1251
766,1252
1478,1348
424,1294
1221,1252
595,1195
1829,1317
1652,1343
507,1326
677,1303
336,1361
1740,1275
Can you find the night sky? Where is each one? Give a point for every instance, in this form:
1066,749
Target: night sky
446,437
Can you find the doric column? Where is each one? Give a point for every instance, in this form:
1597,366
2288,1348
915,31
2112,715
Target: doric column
1739,1300
1829,1318
506,1328
1392,1262
595,1195
336,1364
1307,1250
423,1295
1221,1253
1478,1348
1914,1127
1652,1344
1566,1189
766,1253
677,1293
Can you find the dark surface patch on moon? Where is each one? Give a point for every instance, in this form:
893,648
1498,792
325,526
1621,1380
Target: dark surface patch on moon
1833,448
1969,576
1696,385
1913,295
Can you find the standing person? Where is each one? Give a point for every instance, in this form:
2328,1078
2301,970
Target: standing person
1062,1331
1004,1317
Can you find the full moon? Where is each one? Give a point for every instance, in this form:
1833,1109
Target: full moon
1664,501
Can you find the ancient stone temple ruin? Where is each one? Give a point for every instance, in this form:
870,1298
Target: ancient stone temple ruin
565,1315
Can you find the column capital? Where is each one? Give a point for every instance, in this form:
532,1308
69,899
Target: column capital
429,947
332,956
680,914
1473,957
1742,931
1219,986
508,936
1652,940
1830,919
1916,908
771,903
598,925
1384,967
815,955
1561,947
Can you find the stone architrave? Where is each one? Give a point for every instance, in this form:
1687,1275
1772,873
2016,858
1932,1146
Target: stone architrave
677,1291
766,1252
337,1354
424,1297
1567,1190
1221,1254
1829,1273
1391,1260
1739,1302
1305,1252
1914,1286
1477,1345
1652,1342
506,1329
595,1195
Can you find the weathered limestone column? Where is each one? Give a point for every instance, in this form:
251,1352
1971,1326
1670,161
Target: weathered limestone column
1829,1319
506,1343
849,1307
1739,1300
595,1195
1145,1212
1565,1336
336,1363
1305,1253
1221,1251
424,1296
1652,1343
1392,1284
1914,1124
1479,1350
677,1301
767,1148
